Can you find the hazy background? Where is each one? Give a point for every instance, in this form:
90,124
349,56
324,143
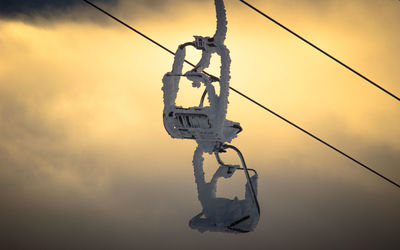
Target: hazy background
85,161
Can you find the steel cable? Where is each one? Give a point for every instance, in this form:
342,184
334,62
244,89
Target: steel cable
252,100
320,50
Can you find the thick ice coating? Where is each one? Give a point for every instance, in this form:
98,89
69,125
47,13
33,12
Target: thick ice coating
207,125
222,214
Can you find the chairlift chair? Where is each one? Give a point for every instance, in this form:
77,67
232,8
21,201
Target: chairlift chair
202,123
221,214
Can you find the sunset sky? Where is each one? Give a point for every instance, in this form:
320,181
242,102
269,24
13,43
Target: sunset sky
85,161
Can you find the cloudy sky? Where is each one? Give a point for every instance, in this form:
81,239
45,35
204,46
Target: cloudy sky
85,161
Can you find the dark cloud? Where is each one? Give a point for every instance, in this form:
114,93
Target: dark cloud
15,7
28,9
32,10
133,210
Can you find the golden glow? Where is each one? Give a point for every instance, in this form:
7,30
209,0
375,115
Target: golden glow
98,87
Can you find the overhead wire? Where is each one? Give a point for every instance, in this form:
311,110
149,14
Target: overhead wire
320,50
251,99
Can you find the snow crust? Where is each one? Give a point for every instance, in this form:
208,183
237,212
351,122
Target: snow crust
218,214
218,102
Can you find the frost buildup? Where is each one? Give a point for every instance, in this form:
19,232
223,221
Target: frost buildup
222,214
207,125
